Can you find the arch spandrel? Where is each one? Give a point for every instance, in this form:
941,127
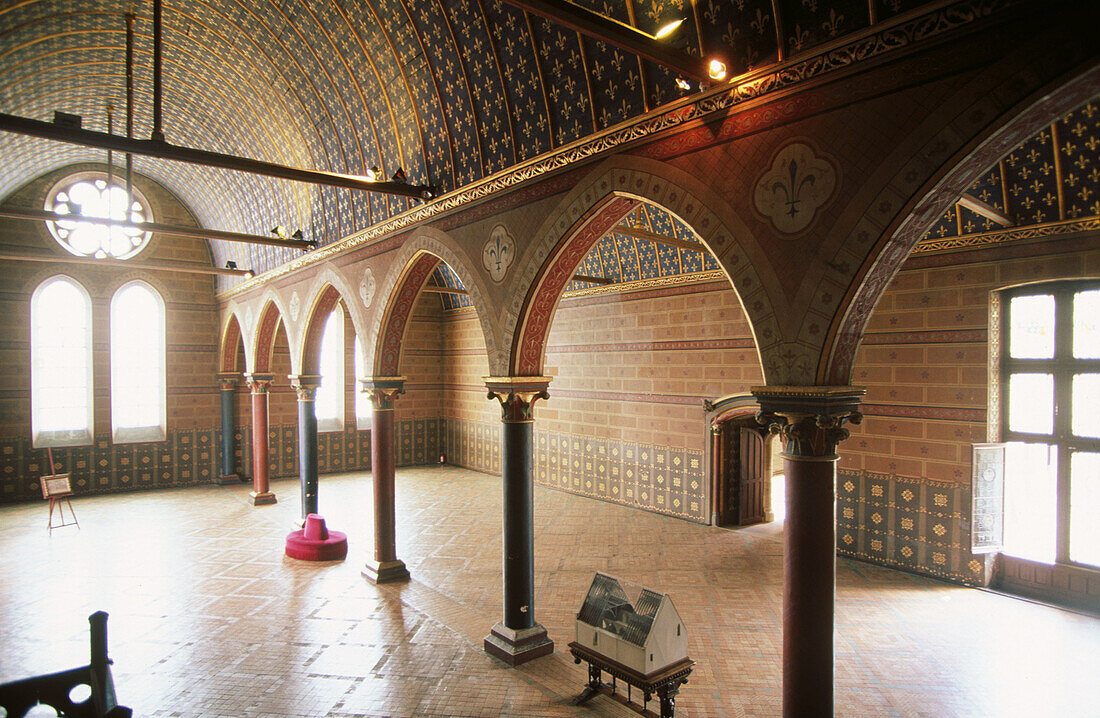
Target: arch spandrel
401,286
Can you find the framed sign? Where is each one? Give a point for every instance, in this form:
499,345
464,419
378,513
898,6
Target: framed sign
56,486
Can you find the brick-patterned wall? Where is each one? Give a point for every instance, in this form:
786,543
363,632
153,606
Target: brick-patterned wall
904,475
188,456
625,418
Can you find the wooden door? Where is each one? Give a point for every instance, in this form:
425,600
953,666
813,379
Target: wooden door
752,478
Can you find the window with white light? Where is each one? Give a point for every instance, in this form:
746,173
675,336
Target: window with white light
61,364
329,401
137,364
363,408
1050,375
87,196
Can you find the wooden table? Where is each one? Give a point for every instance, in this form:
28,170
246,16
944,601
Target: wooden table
665,682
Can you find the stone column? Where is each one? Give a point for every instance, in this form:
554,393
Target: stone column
259,384
385,567
306,387
228,383
518,638
810,420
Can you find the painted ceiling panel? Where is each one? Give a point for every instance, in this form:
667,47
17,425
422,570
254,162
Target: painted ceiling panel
745,30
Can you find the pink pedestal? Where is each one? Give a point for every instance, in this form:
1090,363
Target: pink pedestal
314,542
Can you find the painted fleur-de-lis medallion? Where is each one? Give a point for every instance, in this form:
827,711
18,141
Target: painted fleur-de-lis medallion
797,185
498,253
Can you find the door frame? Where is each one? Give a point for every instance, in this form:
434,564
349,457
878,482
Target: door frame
733,406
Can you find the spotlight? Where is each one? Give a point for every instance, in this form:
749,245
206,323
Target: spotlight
399,176
717,70
297,234
668,29
230,265
249,274
372,174
279,231
683,84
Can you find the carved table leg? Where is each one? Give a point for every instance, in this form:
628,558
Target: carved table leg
593,686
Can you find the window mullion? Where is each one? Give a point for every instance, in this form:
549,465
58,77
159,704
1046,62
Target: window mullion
1063,381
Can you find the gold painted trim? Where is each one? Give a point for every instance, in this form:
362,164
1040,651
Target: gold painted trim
882,39
1015,234
639,285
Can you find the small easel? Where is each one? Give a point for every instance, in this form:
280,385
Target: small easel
56,487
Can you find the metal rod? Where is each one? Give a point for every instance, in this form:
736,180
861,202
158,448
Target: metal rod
592,280
613,32
158,135
129,109
127,264
659,238
43,215
205,158
432,289
110,157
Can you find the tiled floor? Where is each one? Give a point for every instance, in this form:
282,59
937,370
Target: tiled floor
209,619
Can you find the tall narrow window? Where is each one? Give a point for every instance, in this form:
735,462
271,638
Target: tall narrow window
1050,375
363,407
329,402
61,364
137,364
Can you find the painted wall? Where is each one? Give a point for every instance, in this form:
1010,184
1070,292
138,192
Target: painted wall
904,475
624,421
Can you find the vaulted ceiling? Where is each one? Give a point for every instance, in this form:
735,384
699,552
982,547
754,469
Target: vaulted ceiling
450,91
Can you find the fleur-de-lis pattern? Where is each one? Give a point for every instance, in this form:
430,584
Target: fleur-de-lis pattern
1068,149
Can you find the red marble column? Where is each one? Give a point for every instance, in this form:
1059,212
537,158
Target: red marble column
259,383
385,567
810,420
518,638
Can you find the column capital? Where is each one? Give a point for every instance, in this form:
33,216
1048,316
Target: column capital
258,382
305,385
810,418
227,380
382,390
517,395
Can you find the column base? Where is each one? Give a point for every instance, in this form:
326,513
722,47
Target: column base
385,571
227,480
263,498
517,647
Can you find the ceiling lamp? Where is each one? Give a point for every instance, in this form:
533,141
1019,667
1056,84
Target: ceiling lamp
668,29
717,70
683,84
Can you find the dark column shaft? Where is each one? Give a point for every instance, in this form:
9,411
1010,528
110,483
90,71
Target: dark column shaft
809,575
382,472
227,395
307,455
519,542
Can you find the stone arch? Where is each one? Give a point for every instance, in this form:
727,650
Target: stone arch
991,127
597,204
408,274
323,304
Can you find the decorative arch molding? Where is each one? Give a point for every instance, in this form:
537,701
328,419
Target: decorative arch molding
231,338
263,344
597,203
116,282
994,128
325,301
328,279
407,274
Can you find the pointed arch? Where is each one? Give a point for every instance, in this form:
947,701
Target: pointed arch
323,304
264,341
231,341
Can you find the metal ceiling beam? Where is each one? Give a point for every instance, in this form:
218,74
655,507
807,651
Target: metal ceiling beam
593,280
613,32
659,238
432,289
986,210
205,158
125,264
44,216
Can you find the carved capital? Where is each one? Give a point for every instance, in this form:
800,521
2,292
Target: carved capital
305,385
382,390
227,381
810,419
517,396
259,383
